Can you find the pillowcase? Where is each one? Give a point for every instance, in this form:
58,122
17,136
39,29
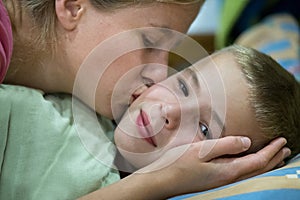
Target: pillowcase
282,183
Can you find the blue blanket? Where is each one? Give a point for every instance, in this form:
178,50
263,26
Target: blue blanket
282,183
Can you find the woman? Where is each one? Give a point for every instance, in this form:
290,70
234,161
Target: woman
52,40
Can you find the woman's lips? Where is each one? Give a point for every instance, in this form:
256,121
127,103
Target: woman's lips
137,93
144,128
133,98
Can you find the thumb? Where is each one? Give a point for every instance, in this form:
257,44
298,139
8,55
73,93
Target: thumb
211,149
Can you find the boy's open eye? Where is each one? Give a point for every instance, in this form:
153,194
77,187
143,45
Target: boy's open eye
204,129
182,86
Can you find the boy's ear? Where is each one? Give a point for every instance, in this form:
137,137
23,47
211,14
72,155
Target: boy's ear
69,12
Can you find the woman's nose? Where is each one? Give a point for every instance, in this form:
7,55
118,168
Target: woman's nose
157,68
154,73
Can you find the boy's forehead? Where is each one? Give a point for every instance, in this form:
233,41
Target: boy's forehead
204,64
218,64
206,67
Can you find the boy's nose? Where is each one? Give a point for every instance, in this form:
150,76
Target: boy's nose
172,115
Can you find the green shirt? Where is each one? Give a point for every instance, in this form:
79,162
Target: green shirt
43,152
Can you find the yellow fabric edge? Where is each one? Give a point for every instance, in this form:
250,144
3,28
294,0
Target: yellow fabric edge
253,185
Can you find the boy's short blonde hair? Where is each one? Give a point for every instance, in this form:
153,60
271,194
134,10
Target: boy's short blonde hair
274,94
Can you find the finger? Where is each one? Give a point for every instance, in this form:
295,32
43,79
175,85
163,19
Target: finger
268,152
277,161
261,161
211,149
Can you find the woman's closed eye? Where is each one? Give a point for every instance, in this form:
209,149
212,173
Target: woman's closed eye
147,42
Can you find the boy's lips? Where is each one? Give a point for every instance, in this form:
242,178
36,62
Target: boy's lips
144,128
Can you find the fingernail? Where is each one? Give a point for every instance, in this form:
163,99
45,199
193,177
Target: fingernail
246,142
284,141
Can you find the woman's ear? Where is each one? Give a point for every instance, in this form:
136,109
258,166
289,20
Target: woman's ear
69,12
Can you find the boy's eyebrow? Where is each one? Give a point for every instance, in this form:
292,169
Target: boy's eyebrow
194,76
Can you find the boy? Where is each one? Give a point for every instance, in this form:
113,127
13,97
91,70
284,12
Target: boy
237,90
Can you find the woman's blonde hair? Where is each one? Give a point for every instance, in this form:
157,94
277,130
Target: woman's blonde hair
43,15
274,94
43,38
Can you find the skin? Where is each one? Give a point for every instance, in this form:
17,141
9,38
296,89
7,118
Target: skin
82,25
80,28
185,175
178,111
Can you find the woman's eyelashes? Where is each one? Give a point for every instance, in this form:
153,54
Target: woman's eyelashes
182,86
155,41
147,41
